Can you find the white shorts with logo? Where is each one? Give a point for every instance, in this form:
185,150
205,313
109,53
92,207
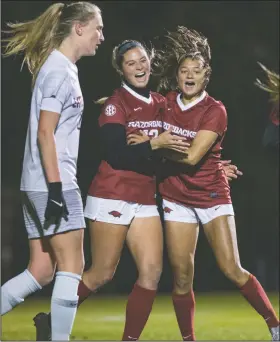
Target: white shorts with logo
34,205
116,211
181,213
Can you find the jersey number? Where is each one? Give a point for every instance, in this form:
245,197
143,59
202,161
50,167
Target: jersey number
153,133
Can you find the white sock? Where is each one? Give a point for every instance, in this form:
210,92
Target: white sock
64,305
14,291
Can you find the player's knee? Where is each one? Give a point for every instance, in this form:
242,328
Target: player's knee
183,283
183,277
69,259
71,265
149,275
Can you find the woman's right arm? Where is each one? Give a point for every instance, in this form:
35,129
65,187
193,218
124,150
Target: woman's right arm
55,91
120,155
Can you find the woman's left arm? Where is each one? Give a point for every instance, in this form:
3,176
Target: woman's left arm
213,125
201,144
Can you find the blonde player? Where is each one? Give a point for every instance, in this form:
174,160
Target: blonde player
53,212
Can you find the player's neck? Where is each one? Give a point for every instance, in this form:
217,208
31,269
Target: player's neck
68,49
141,91
189,99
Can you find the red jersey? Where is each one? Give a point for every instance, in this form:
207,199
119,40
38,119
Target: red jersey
136,113
205,184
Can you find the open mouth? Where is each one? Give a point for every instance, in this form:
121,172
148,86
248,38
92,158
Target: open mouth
140,75
189,84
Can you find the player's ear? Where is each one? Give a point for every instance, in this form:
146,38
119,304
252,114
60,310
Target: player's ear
78,28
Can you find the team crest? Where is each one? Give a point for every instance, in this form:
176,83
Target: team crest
110,110
167,210
115,213
77,102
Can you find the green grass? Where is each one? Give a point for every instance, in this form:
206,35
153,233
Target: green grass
218,317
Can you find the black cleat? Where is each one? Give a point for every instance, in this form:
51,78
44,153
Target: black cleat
42,322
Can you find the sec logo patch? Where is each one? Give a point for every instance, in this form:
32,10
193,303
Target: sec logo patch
110,110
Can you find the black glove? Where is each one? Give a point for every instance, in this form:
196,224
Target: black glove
56,206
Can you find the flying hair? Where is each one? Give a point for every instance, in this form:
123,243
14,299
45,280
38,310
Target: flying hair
271,85
177,46
37,38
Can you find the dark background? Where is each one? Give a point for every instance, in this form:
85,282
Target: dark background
240,34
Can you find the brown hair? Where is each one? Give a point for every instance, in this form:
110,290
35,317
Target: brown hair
177,46
122,48
117,58
38,37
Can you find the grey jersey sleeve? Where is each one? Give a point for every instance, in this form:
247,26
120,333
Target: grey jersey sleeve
55,91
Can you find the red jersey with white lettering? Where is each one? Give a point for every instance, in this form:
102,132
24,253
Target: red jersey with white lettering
135,112
205,184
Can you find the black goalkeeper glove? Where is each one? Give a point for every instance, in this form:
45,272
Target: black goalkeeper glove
56,206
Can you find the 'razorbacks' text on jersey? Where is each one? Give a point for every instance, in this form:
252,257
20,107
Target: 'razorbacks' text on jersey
57,89
204,185
135,112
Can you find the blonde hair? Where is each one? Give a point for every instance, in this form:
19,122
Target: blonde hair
271,85
101,101
37,38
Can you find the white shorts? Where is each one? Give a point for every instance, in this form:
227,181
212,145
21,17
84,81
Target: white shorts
180,213
34,205
116,211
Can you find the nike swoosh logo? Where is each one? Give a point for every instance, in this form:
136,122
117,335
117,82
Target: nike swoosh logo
133,338
60,204
217,207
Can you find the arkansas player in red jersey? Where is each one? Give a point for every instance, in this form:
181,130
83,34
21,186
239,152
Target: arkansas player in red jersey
194,187
121,199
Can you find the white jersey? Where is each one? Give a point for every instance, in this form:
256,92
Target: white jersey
57,89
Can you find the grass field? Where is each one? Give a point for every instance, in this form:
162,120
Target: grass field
218,317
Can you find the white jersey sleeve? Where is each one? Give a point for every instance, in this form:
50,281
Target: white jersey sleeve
55,91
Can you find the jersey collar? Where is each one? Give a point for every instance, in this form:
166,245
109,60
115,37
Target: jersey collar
138,96
191,104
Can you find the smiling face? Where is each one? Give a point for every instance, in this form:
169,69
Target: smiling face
136,67
191,78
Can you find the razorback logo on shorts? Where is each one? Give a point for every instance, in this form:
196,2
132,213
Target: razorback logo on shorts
167,210
115,213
